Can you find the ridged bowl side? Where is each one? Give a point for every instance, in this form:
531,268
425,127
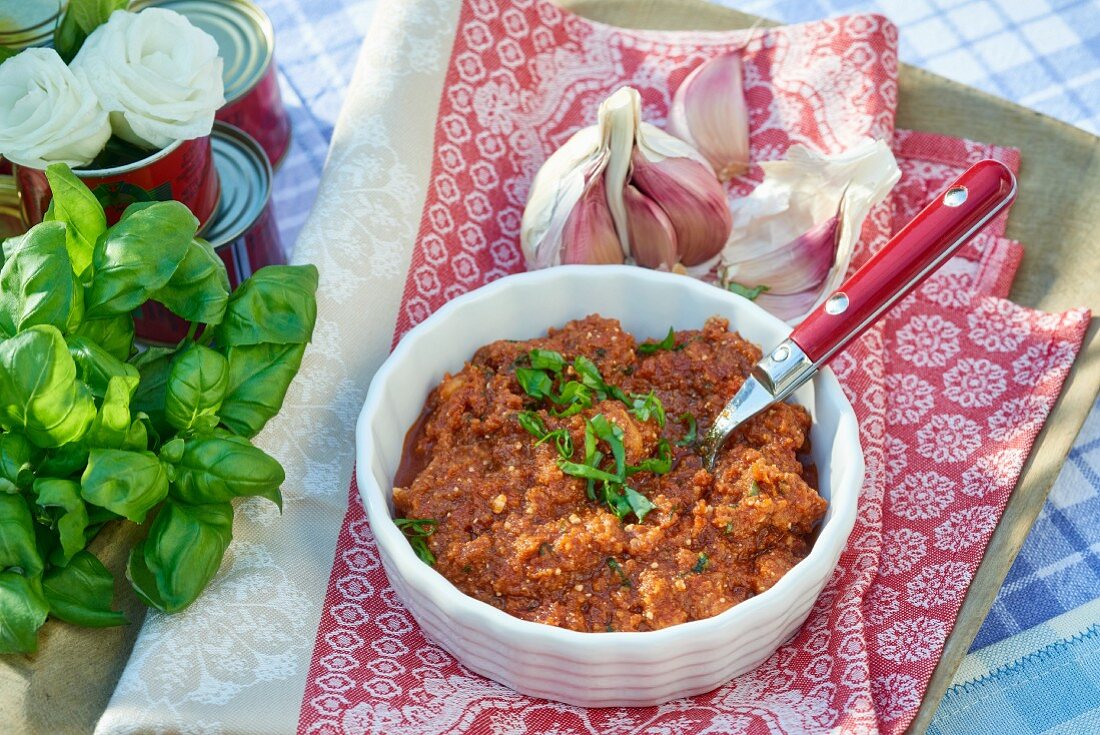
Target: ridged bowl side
595,669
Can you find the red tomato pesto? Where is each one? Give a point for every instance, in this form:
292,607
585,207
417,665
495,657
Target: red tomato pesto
516,532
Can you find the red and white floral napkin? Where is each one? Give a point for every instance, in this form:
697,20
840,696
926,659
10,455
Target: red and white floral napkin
950,390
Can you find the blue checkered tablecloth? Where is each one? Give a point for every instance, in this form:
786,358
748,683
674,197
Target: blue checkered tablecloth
1033,665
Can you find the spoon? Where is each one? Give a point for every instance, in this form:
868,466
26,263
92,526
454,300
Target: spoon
917,250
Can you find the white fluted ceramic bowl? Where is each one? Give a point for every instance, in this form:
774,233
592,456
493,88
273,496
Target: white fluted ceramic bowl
595,669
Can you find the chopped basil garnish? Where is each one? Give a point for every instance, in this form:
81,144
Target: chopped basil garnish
638,503
754,489
668,343
618,569
749,293
701,564
531,422
535,383
546,360
417,531
534,425
691,435
647,407
659,465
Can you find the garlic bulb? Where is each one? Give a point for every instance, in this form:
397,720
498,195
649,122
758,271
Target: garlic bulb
709,112
795,233
660,195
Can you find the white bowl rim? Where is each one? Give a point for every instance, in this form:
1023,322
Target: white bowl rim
831,539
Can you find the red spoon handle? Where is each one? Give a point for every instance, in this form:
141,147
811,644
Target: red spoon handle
918,249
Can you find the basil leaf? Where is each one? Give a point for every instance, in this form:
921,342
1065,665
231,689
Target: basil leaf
125,272
65,494
181,554
275,305
90,14
153,366
68,37
638,503
114,334
668,343
658,465
692,431
23,609
576,396
534,383
199,289
701,564
37,285
75,205
590,377
618,569
39,391
750,293
259,377
17,543
585,471
6,52
612,434
127,483
97,366
65,461
80,593
546,360
112,427
532,423
15,459
215,470
649,406
417,531
197,380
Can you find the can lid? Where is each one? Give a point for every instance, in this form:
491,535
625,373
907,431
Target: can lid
27,22
245,37
245,176
11,218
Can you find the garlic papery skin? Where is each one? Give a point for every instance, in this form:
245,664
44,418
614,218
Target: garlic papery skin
589,234
710,113
668,209
809,210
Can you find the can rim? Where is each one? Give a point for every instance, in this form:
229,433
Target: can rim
232,132
95,173
51,20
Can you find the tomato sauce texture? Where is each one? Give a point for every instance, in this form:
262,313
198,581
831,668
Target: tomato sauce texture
516,532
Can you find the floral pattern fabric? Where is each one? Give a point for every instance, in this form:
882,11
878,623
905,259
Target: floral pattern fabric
950,390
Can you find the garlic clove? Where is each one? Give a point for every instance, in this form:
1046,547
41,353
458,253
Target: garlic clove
589,234
709,112
801,264
693,200
652,237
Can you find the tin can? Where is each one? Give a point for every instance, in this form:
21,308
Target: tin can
183,171
246,43
25,23
11,219
242,230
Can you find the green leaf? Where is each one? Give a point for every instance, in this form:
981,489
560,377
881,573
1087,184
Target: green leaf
276,305
534,383
113,427
127,483
668,343
691,434
586,471
701,564
80,593
259,377
197,381
532,423
154,366
6,52
65,461
638,503
199,289
658,465
649,406
39,390
90,14
23,609
15,459
65,494
546,360
17,543
750,293
97,366
68,37
75,205
115,334
417,531
216,469
182,553
137,256
172,451
37,284
612,434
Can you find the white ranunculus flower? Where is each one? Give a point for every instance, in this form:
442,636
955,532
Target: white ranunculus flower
158,76
47,115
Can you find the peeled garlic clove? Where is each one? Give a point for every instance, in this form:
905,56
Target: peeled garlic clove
709,112
693,200
589,234
652,237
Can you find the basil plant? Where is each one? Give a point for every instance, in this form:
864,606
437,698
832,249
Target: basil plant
95,431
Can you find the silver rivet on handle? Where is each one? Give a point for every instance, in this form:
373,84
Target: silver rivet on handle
837,303
955,196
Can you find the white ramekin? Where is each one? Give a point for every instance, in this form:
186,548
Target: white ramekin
595,669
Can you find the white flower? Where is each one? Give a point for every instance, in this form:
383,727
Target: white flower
158,76
47,115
